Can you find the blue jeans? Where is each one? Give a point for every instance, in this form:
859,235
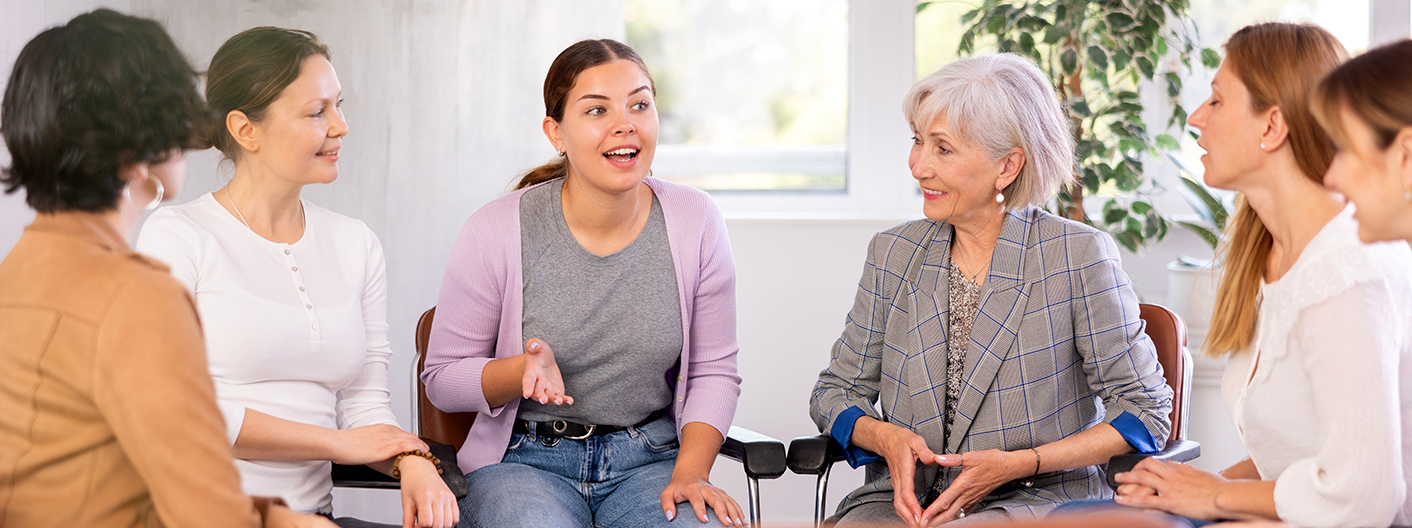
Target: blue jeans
614,480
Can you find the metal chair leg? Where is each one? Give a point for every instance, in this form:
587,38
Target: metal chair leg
754,502
821,490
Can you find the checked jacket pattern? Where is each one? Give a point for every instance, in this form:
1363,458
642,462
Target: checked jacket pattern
1056,349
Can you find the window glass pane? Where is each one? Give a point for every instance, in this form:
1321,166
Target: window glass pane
937,34
1218,19
752,95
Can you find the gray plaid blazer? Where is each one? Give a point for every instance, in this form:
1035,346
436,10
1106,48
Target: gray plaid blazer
1056,348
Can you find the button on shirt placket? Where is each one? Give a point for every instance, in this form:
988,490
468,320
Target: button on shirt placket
303,291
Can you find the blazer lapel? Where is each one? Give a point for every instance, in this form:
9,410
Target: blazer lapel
997,323
925,374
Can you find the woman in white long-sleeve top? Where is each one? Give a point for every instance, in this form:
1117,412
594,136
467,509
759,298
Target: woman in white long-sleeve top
1315,322
292,296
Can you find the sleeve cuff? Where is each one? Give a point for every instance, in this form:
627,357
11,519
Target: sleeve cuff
1133,432
842,432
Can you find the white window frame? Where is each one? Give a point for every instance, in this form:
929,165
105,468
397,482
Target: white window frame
880,71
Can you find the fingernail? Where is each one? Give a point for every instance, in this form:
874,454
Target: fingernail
671,515
534,345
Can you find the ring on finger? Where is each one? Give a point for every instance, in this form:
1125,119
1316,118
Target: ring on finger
961,513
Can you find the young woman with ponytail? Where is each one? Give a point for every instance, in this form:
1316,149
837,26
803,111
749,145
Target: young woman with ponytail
589,318
1315,323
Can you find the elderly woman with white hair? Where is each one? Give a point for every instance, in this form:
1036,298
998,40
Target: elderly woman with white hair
993,357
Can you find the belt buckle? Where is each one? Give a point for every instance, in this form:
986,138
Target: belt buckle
586,434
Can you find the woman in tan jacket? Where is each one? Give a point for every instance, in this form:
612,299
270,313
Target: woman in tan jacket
107,412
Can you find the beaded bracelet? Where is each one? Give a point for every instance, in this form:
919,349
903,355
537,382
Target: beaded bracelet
397,462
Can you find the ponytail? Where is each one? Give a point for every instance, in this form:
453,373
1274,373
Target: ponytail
543,173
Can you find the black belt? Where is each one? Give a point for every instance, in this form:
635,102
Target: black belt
576,431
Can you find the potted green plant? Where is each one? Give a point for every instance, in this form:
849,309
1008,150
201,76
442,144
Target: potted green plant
1192,281
1100,54
1210,212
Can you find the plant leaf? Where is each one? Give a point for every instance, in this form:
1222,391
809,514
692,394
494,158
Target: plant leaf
1080,108
1129,240
1119,21
1098,58
1206,234
996,24
1174,84
1167,142
1210,58
1120,59
1070,60
1155,226
1114,215
1026,42
1201,201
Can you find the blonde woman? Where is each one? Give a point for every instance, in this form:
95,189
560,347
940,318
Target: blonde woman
1316,323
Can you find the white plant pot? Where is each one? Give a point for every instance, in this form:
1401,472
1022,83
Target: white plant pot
1191,292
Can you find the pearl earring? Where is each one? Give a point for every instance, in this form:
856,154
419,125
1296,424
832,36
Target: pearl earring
999,197
1262,146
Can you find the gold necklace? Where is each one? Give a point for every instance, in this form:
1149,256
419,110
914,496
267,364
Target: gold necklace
970,277
247,224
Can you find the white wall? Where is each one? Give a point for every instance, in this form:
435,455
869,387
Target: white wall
444,108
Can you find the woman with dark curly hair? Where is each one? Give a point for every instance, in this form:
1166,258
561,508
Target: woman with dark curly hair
107,417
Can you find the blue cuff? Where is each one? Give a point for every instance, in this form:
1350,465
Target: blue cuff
842,432
1134,433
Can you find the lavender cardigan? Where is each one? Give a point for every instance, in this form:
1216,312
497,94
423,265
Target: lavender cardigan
478,317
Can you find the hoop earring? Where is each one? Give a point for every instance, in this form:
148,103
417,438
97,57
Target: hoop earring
156,200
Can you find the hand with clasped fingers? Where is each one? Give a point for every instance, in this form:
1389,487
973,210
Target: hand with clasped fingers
1172,487
981,473
903,449
542,381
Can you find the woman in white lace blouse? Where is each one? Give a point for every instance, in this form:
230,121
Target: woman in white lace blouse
1316,323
